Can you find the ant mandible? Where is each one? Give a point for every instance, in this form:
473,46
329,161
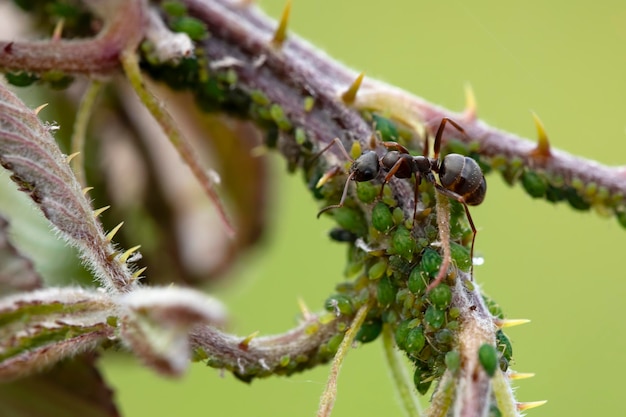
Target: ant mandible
460,177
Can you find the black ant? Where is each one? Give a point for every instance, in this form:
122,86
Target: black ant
460,177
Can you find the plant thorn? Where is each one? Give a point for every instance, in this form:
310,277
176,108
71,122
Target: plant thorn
58,30
138,273
349,95
543,145
124,257
304,309
281,32
86,190
246,341
69,158
516,376
40,108
504,323
327,176
470,112
98,212
530,405
109,236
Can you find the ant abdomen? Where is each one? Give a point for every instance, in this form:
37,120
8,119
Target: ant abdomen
462,175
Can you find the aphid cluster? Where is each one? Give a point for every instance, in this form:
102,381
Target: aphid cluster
459,177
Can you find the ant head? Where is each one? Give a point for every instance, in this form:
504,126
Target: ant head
366,167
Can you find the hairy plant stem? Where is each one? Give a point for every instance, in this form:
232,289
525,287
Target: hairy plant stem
404,386
330,393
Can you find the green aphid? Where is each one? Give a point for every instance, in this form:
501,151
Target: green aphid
402,332
418,281
279,117
398,215
457,146
174,8
351,220
377,270
57,80
504,345
494,308
309,102
420,380
196,29
382,219
444,338
554,194
575,199
386,292
534,184
367,192
259,97
369,331
453,361
387,129
488,358
300,136
430,262
415,340
434,317
339,303
21,79
440,296
402,242
461,256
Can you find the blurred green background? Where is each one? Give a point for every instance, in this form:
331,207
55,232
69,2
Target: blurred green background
564,60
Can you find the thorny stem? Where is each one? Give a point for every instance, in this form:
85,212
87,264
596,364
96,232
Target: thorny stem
404,386
244,34
265,354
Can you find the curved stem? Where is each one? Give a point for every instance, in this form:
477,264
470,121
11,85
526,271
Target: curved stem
80,130
173,133
125,24
402,382
330,393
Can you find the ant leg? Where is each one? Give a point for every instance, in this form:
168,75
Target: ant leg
395,146
343,197
394,169
330,145
440,130
418,180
